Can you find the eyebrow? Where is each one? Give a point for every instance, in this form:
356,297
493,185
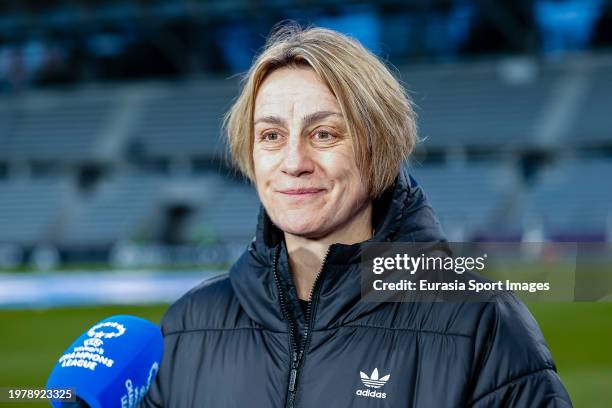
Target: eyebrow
307,120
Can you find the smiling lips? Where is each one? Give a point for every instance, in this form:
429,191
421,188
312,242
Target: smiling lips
301,192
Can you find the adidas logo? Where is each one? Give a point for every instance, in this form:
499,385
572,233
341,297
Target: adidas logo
373,381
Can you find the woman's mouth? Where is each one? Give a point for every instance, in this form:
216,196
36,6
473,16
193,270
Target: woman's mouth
301,192
309,190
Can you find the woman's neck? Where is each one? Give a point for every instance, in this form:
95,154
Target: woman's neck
306,255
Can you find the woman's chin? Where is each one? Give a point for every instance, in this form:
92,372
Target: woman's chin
301,227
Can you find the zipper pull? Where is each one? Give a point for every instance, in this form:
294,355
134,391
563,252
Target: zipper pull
293,373
292,379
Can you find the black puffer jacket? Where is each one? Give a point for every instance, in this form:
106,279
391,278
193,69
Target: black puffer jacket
242,340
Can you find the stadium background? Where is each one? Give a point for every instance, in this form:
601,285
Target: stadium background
115,192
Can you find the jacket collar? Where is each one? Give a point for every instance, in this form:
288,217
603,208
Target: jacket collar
402,214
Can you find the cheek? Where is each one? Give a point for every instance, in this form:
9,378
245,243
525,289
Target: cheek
264,172
341,167
263,165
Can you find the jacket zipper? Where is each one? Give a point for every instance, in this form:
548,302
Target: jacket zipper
298,349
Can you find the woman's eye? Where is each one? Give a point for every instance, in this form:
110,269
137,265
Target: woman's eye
323,136
271,137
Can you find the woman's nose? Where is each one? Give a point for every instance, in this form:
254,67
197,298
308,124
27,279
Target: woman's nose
297,160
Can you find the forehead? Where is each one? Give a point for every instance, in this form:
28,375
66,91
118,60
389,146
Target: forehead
287,92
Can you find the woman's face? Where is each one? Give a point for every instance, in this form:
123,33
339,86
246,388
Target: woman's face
305,169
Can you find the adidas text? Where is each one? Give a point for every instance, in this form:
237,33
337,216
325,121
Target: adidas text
371,393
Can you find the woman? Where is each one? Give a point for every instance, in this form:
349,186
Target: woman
321,128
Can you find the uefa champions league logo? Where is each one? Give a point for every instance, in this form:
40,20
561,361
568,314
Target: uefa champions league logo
90,354
96,331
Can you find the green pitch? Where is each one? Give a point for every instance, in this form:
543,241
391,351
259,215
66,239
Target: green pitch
579,335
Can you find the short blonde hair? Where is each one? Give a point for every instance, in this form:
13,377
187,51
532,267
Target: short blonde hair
379,114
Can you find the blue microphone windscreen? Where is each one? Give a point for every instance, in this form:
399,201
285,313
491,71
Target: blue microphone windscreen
112,364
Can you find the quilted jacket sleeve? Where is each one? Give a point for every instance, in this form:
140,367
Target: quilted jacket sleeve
513,366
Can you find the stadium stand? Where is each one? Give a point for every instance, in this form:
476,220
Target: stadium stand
233,216
31,209
58,126
592,124
575,195
185,119
481,105
131,207
467,197
115,211
142,140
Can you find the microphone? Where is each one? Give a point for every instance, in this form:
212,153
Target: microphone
112,364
